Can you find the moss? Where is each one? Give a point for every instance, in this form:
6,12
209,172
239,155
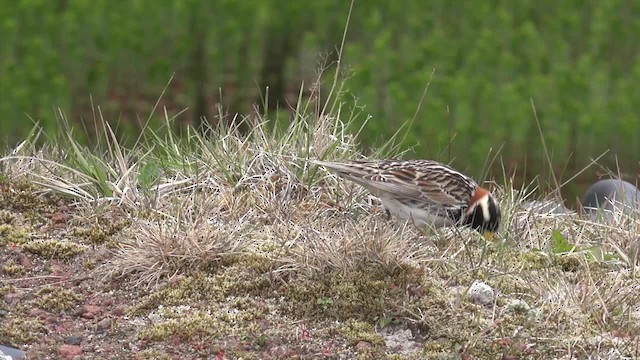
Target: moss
55,249
236,280
56,299
531,260
195,324
22,196
11,234
7,217
189,290
13,269
102,232
19,331
89,264
364,294
6,289
356,331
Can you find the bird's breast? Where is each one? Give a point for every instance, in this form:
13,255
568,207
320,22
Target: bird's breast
421,213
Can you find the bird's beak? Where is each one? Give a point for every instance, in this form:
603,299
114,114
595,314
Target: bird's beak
488,235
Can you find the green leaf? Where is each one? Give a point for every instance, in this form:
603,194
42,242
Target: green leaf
559,244
149,175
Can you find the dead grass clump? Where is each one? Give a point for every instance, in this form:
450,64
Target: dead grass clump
151,251
343,245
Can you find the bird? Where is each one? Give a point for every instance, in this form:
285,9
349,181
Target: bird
424,191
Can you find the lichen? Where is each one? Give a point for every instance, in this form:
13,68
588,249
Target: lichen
53,249
56,299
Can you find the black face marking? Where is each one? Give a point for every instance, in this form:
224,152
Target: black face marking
477,220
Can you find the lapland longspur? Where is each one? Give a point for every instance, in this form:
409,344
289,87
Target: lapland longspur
424,191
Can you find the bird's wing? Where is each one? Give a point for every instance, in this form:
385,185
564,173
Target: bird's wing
431,184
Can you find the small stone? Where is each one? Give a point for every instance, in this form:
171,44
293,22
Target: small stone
73,340
104,324
38,313
13,298
67,351
25,262
280,352
118,310
88,311
363,345
481,293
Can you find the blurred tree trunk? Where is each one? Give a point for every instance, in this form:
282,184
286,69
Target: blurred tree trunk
198,69
279,45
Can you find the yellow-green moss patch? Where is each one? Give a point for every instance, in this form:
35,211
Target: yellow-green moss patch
23,196
7,217
356,331
56,299
19,331
198,287
12,269
194,323
102,233
54,249
11,234
364,294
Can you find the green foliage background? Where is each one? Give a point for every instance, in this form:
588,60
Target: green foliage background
577,60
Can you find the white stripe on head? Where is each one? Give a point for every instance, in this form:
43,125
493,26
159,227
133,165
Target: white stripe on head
484,204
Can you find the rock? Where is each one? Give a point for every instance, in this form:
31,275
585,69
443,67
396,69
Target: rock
104,324
13,298
280,352
400,340
73,340
119,310
38,313
88,311
611,195
521,306
67,351
481,294
25,262
9,353
362,345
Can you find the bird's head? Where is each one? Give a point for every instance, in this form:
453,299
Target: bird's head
483,213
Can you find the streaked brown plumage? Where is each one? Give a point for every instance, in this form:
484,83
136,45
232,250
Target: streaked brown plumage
424,191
